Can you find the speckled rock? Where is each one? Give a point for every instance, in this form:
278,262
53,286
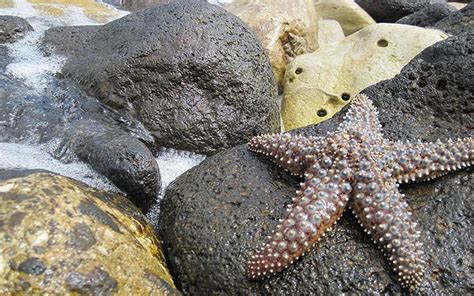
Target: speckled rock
427,16
125,160
13,28
318,85
350,15
216,213
284,30
215,92
329,32
390,11
458,22
58,236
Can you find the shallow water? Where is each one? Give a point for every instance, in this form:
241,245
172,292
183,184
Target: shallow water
36,71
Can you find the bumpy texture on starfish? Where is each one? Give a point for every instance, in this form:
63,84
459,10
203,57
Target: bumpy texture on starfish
355,167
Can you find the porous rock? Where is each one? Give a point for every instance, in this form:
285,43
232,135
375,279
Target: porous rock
350,15
319,84
390,11
427,16
13,28
458,22
198,82
60,236
284,30
216,213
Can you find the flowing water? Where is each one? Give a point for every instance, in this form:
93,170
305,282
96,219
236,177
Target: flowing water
36,72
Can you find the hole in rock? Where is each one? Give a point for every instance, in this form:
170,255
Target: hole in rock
345,96
322,112
298,71
382,43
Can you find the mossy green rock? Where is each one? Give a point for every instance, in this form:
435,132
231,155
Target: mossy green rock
58,236
319,84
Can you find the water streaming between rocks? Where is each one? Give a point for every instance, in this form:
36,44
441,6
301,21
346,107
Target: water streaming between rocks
36,71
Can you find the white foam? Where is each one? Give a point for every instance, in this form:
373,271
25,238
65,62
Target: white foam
219,2
29,64
20,156
172,163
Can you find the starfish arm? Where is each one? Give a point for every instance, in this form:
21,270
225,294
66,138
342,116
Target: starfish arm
425,161
287,151
316,207
382,212
361,119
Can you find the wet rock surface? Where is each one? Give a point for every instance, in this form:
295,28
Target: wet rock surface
215,92
50,245
458,22
216,213
427,16
125,160
13,28
87,130
392,10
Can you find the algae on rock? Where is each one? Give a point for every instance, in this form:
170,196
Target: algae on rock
59,236
319,84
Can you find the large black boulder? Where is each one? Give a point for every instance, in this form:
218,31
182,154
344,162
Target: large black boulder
389,11
194,74
427,16
13,28
216,213
458,22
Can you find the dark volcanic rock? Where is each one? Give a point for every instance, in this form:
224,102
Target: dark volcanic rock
427,16
458,22
13,28
194,74
125,160
216,213
136,5
69,40
389,11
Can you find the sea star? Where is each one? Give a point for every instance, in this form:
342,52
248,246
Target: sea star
354,167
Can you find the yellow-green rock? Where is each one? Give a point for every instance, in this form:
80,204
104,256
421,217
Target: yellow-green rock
6,3
58,236
319,84
92,9
329,32
350,15
285,30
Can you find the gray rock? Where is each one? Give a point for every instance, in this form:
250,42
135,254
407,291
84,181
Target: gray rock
389,11
13,28
427,16
194,74
216,213
68,40
5,59
458,22
122,158
85,129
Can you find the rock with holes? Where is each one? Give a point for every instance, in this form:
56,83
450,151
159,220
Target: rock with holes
389,11
427,16
284,30
458,22
194,74
13,28
329,32
216,213
59,236
318,85
350,15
